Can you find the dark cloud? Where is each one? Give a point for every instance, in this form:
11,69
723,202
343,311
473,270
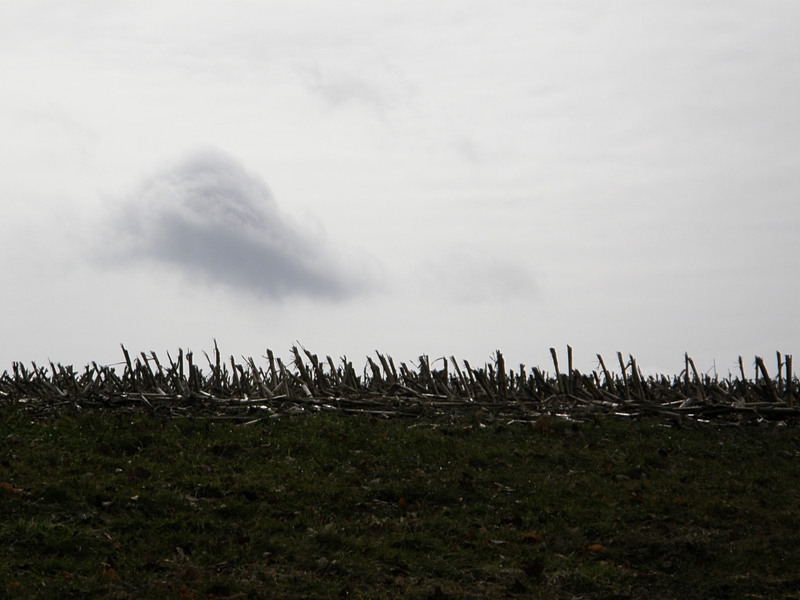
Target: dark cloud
212,220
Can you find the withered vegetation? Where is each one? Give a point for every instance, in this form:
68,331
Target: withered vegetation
245,390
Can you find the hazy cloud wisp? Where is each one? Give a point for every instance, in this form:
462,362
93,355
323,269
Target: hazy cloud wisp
470,276
212,220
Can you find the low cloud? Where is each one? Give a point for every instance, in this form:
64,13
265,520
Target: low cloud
213,221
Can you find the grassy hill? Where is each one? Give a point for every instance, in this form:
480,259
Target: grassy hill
115,504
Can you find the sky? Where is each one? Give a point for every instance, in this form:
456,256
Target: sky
449,178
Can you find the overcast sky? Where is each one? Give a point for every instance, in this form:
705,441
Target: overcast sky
412,177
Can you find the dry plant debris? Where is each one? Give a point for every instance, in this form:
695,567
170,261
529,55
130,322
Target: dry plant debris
244,391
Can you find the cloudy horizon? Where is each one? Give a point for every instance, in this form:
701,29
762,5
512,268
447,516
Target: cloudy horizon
443,180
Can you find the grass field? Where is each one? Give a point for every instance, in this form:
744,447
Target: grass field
327,506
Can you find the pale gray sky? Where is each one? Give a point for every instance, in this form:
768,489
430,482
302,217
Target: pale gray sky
448,178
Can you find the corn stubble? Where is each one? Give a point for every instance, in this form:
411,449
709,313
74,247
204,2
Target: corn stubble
244,390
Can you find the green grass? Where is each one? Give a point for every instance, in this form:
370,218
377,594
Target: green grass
128,506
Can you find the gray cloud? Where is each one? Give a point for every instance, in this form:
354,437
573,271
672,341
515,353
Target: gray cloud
210,219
